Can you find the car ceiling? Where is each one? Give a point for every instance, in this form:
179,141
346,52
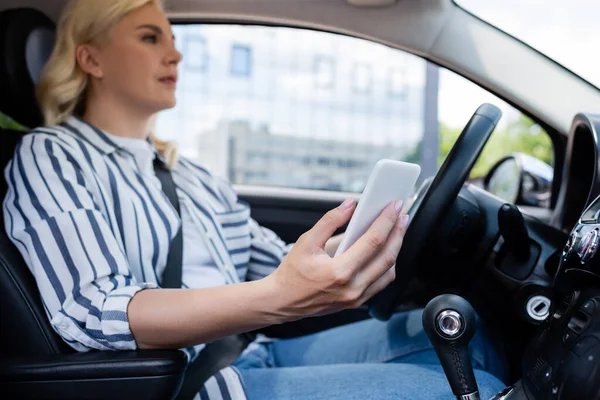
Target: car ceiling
437,30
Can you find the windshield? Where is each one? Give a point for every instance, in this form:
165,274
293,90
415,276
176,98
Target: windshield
565,31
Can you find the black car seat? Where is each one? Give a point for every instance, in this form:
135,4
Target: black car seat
25,40
34,360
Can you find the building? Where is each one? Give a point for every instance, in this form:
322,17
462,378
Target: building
259,157
299,108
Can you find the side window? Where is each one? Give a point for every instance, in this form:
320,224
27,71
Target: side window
296,108
516,133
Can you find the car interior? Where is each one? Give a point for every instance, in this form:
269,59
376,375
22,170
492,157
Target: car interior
532,275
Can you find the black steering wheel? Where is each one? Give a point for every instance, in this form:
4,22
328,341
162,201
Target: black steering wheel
427,212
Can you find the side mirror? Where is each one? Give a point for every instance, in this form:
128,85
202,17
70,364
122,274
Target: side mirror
521,179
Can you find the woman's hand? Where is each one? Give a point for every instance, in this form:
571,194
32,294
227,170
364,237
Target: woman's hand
333,243
310,282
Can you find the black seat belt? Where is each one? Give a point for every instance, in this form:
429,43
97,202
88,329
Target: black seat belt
173,270
215,355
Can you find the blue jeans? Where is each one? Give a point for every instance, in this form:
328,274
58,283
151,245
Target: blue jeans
364,360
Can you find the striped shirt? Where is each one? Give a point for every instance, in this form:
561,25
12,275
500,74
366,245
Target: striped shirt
94,230
200,270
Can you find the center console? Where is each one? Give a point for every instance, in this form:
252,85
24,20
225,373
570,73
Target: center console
562,362
563,359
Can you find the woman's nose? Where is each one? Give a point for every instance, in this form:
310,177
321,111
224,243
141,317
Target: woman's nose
174,56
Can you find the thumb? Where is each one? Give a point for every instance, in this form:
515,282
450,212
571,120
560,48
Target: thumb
330,222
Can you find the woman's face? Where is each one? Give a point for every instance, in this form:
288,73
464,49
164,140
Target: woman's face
137,66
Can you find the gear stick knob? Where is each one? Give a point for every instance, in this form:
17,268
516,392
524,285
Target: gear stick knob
449,322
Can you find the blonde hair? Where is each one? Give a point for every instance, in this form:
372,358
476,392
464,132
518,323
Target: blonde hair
168,149
62,89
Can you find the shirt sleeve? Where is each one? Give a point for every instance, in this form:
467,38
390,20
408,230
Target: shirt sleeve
267,250
80,268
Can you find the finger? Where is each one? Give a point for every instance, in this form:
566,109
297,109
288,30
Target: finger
334,219
386,258
369,244
384,281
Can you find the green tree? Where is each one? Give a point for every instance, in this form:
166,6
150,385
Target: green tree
522,136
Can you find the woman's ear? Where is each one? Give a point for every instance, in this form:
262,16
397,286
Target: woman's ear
87,59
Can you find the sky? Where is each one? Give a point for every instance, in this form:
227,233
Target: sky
566,31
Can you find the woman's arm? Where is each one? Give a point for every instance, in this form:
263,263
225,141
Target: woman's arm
95,302
80,269
308,282
176,318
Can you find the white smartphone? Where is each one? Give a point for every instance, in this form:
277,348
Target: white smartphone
390,180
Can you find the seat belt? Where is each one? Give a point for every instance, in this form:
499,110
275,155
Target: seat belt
215,355
173,270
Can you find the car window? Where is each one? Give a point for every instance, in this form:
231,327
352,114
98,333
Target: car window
515,133
295,108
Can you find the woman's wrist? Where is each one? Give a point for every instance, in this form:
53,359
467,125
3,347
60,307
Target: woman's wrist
273,301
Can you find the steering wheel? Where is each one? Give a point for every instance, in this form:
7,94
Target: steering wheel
427,213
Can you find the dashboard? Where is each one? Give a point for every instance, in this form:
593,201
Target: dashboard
580,179
556,291
579,265
563,360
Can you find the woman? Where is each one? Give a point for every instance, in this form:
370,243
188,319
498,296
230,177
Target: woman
88,213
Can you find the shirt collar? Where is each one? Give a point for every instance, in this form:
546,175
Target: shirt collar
99,139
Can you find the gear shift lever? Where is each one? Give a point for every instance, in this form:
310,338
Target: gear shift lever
449,322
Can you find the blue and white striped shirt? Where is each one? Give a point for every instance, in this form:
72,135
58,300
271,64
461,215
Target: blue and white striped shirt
94,230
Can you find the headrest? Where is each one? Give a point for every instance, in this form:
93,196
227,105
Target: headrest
26,41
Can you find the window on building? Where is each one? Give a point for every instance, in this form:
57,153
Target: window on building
361,79
324,71
397,86
241,61
196,53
